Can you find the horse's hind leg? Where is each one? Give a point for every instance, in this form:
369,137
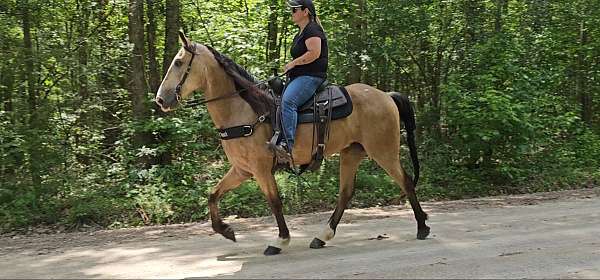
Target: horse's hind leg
391,164
350,159
230,181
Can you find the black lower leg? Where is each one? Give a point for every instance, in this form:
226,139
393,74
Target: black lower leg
217,224
336,217
284,233
350,159
277,209
333,222
420,216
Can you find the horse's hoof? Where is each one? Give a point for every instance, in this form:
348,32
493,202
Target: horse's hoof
271,251
229,233
317,243
422,233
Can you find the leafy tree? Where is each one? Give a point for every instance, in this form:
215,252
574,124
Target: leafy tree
505,93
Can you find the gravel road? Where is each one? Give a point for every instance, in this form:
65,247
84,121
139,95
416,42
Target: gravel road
544,235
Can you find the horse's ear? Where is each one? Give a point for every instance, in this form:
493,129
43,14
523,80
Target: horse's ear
183,39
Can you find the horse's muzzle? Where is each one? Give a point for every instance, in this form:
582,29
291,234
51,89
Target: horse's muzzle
161,103
165,104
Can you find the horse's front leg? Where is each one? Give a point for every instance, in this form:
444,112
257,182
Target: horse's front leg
268,186
230,181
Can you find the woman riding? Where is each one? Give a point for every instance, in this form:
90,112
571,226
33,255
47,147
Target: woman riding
308,69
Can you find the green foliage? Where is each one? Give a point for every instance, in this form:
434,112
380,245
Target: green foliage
500,95
489,114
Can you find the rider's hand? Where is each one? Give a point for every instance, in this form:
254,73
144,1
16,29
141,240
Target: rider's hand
288,66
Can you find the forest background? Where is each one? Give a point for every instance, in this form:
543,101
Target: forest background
505,91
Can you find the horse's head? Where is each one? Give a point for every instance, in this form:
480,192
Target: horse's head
185,75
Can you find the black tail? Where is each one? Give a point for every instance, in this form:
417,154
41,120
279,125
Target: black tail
407,115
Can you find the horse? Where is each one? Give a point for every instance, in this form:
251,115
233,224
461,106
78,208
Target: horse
233,99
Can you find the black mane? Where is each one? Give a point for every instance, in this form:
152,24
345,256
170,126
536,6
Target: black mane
260,101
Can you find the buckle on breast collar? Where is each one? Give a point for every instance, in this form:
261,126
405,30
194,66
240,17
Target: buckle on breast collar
250,130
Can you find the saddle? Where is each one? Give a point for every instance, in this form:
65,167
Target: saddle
329,103
340,104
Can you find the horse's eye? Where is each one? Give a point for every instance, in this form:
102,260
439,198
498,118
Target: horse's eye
178,63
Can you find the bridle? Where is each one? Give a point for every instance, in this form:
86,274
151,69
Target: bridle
185,75
194,103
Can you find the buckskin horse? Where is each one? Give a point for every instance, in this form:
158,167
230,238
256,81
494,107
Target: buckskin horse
372,129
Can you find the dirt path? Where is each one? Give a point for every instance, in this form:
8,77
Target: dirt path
546,235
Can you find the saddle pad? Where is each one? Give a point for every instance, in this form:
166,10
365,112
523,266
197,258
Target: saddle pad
341,102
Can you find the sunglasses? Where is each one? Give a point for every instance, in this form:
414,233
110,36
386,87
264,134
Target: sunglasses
296,9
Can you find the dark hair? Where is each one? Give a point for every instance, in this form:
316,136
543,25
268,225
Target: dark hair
259,100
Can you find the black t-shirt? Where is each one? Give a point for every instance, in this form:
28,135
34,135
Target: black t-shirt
317,68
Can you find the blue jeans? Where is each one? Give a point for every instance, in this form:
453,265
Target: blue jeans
297,92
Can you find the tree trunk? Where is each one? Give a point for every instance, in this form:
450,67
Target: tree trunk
585,96
8,82
472,13
105,81
30,76
154,74
137,79
354,41
172,25
34,143
539,10
436,107
283,40
501,7
81,78
82,49
272,50
155,77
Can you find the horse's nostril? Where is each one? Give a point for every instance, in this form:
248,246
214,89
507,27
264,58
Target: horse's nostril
160,101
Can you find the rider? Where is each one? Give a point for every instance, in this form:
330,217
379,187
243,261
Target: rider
308,69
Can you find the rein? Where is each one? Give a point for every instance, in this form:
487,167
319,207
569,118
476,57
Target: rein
194,103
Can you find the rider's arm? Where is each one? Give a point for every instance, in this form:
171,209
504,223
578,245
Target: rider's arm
313,46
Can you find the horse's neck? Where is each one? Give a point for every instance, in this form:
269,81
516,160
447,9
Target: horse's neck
228,112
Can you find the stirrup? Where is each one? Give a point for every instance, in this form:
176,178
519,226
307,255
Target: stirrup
281,154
